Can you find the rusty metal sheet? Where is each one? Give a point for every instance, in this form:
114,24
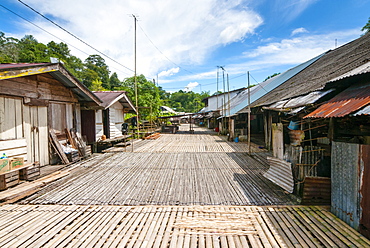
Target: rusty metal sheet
280,173
365,190
345,103
339,109
345,180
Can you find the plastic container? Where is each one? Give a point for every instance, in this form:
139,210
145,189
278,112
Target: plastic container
293,125
236,139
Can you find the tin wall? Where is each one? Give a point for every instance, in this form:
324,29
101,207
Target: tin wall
345,176
351,185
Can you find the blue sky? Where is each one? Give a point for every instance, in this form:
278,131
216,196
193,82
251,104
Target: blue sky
182,42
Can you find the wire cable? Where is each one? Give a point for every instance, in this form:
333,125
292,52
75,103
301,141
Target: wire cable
162,52
79,39
30,22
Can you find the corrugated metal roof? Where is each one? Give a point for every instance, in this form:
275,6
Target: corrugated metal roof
339,109
300,100
364,111
111,97
239,104
20,65
333,64
365,68
345,103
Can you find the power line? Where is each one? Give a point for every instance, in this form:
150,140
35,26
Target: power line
40,28
30,22
162,52
65,30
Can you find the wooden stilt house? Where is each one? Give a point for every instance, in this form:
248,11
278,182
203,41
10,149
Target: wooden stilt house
35,101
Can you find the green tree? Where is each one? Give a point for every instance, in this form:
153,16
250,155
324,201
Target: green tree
187,101
114,82
97,63
9,51
31,51
366,28
88,76
96,85
148,95
271,76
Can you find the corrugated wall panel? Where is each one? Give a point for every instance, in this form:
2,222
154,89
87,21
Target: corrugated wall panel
365,191
346,182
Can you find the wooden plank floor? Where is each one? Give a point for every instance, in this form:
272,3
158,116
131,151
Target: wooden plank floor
192,143
173,226
188,178
177,191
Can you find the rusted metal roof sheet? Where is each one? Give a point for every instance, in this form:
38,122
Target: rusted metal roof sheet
111,97
20,65
345,103
280,173
339,109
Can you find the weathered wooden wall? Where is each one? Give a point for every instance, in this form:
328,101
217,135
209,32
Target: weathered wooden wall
29,106
41,87
116,118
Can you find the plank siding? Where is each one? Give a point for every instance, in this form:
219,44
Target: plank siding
27,129
43,135
48,89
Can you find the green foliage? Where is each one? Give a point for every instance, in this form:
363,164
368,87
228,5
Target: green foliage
186,101
96,85
97,63
95,74
271,76
366,28
149,100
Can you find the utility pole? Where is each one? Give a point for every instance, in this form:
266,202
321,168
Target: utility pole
224,104
135,79
249,116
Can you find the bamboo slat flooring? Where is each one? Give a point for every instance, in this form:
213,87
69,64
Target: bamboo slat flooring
193,143
166,179
173,226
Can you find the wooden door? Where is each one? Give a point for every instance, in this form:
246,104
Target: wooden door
88,125
35,119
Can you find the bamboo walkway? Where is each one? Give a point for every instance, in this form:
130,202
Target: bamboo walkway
166,179
173,226
176,191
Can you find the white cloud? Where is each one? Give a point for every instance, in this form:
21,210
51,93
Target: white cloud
191,86
297,50
299,31
273,56
184,31
169,72
290,9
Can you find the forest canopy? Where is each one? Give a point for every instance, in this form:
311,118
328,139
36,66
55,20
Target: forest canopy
94,73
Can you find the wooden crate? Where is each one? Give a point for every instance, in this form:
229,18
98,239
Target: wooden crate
9,179
30,173
316,191
4,165
16,162
73,156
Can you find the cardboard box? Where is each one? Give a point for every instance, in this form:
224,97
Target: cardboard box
4,165
16,162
